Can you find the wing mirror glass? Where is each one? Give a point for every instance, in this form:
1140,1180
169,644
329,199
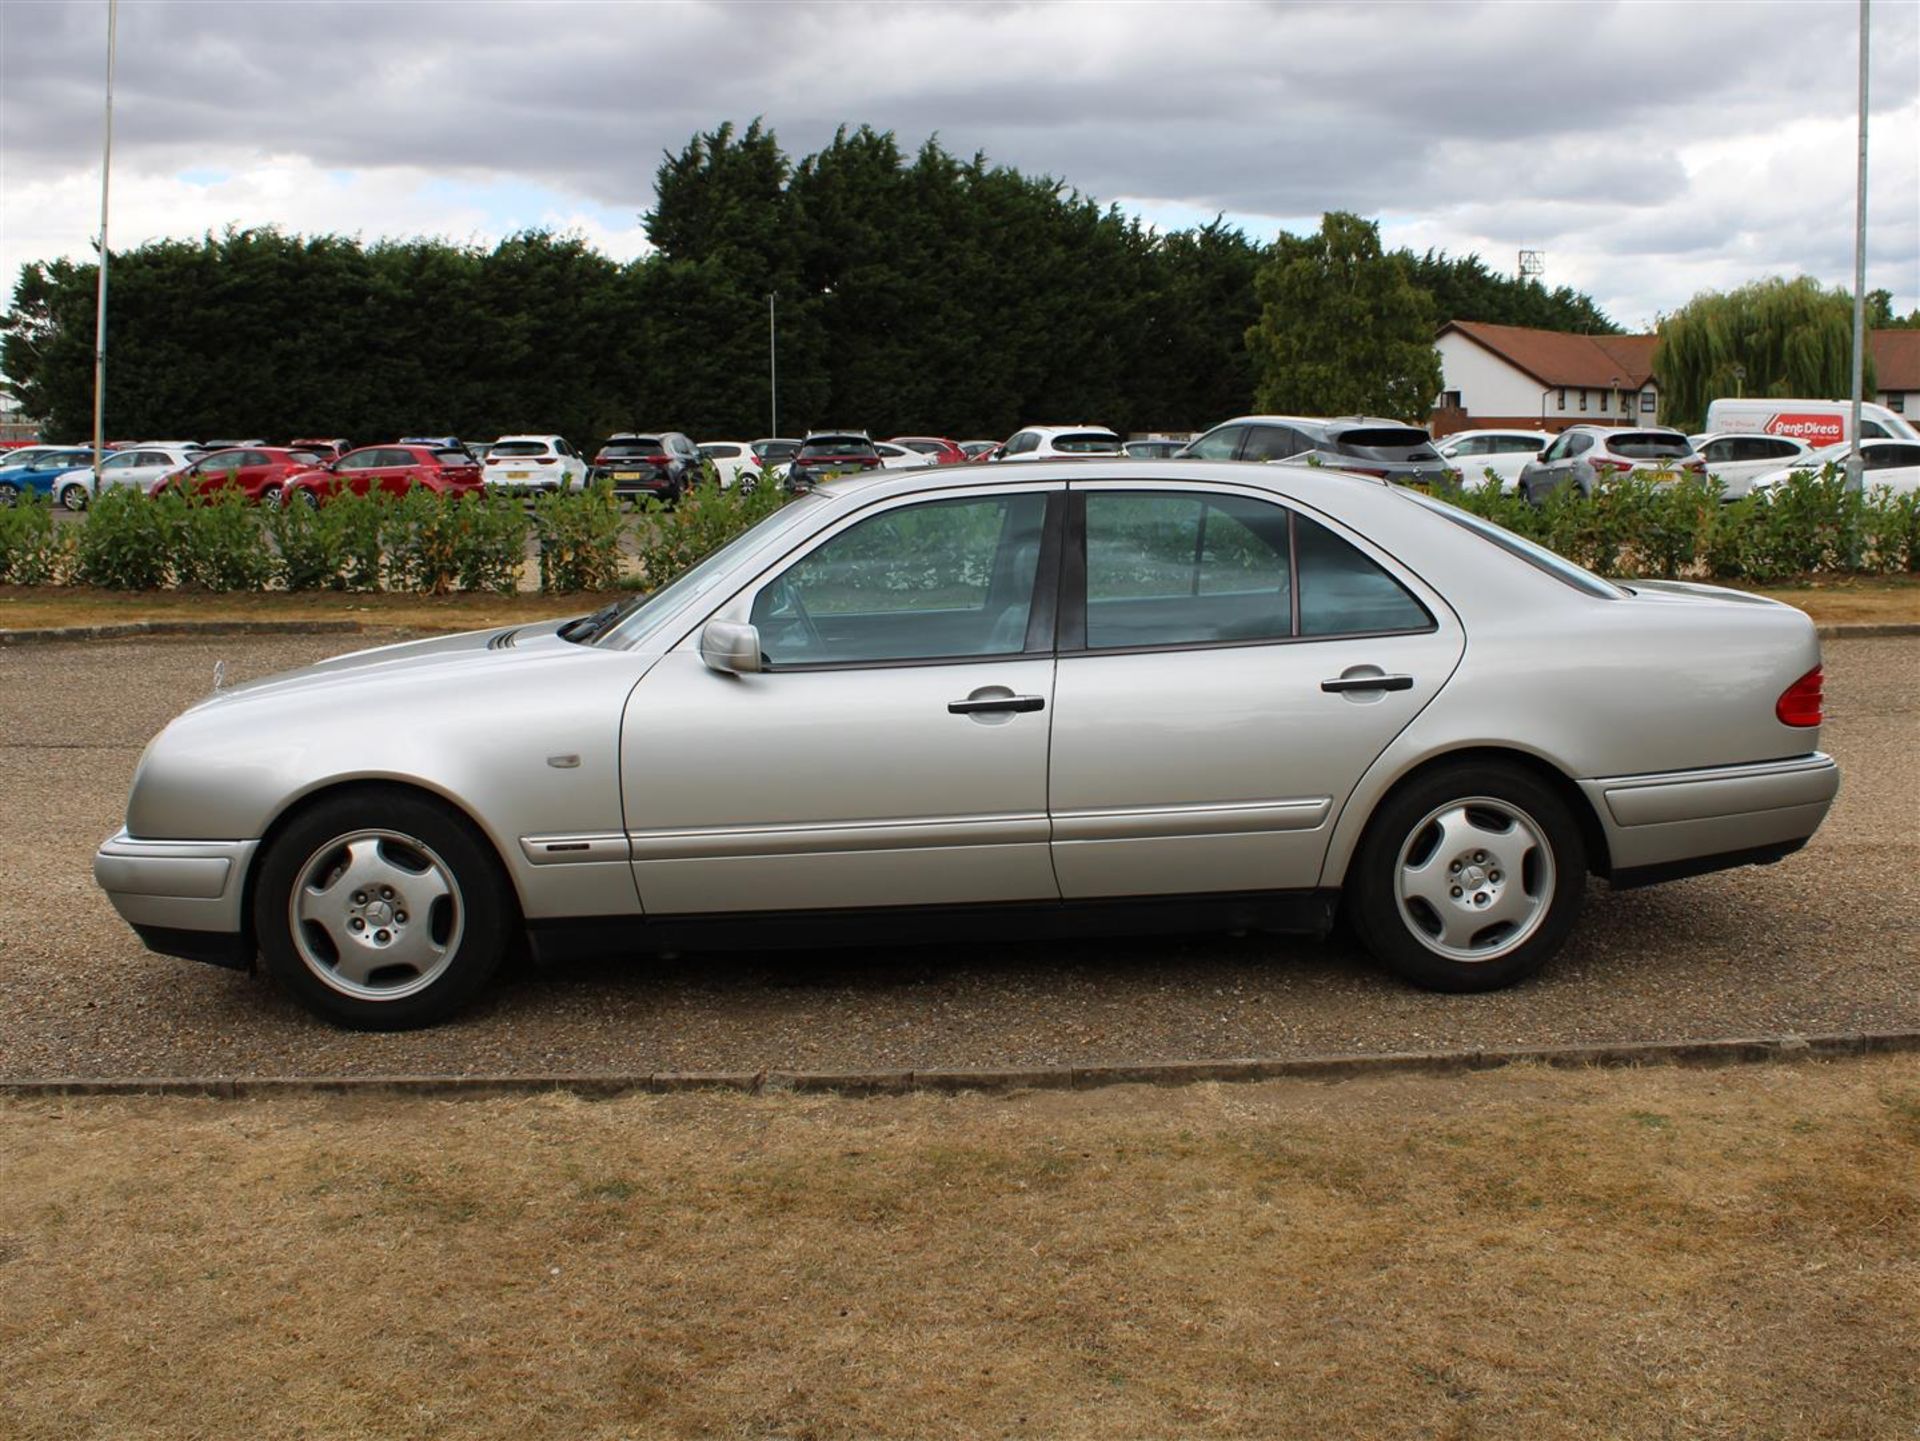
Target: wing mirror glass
730,648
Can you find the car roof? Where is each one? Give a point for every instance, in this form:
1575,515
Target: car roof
1067,429
1302,482
549,436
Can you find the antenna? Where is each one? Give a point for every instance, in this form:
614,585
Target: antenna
1533,265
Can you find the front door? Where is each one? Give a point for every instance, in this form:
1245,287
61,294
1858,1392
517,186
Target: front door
893,749
1228,669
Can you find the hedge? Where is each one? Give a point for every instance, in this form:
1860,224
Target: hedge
1638,524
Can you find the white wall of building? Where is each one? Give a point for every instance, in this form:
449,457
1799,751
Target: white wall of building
1486,384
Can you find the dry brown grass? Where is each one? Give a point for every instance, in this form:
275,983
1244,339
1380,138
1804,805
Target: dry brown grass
1523,1253
1880,599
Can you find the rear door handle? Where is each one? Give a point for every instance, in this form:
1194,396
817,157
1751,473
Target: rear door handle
1368,682
997,703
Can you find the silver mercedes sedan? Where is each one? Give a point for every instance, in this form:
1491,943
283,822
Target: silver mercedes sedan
1114,695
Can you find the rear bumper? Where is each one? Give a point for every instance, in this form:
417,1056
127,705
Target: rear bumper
183,897
1682,822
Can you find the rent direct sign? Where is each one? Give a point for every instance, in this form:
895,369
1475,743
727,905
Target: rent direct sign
1815,430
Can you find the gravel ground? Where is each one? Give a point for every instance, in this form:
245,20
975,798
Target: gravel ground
1828,940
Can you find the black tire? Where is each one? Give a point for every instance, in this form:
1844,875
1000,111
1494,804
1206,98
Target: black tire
346,947
1500,836
74,498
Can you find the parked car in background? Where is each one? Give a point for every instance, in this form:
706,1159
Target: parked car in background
826,454
326,449
38,473
1582,455
936,448
254,444
1504,452
1152,449
664,464
438,442
900,457
1384,449
534,462
197,447
979,449
1049,442
262,474
1818,422
1739,458
928,704
139,466
393,469
1894,464
728,458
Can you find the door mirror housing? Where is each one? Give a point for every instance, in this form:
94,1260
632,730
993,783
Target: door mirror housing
730,648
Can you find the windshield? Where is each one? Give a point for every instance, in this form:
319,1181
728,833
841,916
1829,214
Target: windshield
1538,556
640,617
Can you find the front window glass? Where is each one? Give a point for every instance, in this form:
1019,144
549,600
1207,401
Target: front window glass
1185,570
1218,444
1275,442
942,579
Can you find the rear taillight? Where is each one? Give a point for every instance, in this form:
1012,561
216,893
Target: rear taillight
1610,467
494,460
1799,703
1696,465
1377,474
653,460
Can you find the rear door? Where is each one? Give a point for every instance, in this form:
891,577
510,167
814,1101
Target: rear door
1228,669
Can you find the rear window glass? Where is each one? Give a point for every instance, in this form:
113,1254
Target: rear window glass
521,447
1385,441
838,445
1649,445
453,457
1538,556
720,452
629,449
1087,443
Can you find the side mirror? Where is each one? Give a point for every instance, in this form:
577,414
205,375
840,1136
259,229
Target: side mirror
730,648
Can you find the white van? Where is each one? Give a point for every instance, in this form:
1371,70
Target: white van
1817,422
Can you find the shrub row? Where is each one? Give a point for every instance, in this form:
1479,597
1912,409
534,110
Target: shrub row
1640,524
420,542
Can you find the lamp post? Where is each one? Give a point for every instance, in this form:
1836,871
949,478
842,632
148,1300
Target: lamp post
100,304
1854,480
1739,382
773,374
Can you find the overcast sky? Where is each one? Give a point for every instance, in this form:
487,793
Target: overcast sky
1649,150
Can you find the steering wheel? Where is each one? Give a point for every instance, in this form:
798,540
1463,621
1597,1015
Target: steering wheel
786,593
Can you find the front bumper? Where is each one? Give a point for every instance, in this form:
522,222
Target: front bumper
1676,821
180,893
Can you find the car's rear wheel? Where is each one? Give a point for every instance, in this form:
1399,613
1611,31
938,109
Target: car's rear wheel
1468,879
270,495
74,497
382,910
309,498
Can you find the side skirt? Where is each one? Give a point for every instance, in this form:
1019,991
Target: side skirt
1282,912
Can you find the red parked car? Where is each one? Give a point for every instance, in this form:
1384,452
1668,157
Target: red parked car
262,473
936,448
326,449
395,469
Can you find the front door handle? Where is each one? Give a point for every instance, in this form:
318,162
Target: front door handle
997,703
1368,682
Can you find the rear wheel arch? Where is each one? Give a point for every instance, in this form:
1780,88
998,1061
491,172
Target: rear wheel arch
1578,805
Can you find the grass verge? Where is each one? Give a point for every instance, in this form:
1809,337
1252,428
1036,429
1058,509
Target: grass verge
1514,1253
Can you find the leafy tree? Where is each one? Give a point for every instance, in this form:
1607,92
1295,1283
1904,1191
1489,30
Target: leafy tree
1342,328
1789,337
1463,288
1880,314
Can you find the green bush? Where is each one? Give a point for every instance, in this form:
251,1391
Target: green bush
490,547
579,533
365,527
129,541
33,550
669,542
308,546
222,543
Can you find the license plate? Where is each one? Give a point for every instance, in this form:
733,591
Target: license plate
626,475
519,475
835,472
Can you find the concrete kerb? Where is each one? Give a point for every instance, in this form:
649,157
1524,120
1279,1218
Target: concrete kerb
1844,630
1004,1081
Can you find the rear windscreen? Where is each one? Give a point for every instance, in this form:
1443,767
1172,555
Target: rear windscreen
1650,445
453,457
838,445
630,449
1087,443
1386,442
519,447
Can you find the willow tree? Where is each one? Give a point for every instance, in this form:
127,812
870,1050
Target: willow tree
1775,337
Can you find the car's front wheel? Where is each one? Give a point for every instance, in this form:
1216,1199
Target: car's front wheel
1468,879
382,910
9,493
74,497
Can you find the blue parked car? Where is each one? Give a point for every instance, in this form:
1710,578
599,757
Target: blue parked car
40,473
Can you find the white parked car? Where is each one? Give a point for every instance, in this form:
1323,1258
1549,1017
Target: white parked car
534,462
899,457
1894,464
1475,452
728,459
141,466
1738,458
1047,442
